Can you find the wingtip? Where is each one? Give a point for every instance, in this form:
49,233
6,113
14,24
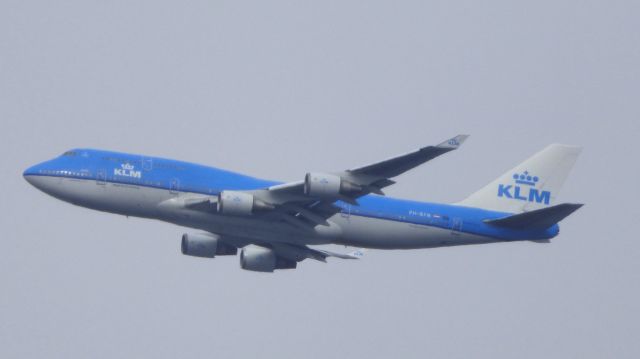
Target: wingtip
462,138
357,254
454,142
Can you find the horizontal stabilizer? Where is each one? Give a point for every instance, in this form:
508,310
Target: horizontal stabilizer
537,219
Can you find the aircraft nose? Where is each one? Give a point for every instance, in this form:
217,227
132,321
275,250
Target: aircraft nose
31,173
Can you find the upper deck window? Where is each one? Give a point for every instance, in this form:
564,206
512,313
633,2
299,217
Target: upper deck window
69,153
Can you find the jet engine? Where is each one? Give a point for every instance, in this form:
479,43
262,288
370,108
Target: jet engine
205,245
262,259
240,203
323,185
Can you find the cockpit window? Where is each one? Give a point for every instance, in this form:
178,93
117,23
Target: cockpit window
69,153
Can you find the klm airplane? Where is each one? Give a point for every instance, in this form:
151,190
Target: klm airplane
275,224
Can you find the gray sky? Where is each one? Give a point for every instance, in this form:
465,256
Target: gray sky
277,88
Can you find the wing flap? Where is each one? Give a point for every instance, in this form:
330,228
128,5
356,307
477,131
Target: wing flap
299,253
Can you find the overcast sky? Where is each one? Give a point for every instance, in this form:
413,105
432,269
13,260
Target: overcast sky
278,88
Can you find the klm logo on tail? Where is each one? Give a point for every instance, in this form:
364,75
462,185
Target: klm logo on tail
524,189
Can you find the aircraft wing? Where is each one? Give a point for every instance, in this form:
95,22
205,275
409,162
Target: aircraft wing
295,199
373,177
299,253
400,164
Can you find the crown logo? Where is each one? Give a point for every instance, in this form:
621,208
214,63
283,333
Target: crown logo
526,178
127,166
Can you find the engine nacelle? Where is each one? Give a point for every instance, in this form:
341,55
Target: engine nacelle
262,259
240,203
324,185
205,245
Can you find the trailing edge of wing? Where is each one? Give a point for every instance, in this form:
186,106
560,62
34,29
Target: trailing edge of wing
301,252
292,199
357,254
398,165
377,175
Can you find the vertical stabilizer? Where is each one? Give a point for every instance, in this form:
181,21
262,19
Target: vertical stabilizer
533,184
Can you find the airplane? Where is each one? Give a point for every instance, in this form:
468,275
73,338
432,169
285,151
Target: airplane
275,224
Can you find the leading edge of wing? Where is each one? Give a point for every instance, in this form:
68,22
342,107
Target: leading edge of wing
398,165
292,198
392,167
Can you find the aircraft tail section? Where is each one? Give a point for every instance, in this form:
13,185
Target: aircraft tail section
532,185
538,219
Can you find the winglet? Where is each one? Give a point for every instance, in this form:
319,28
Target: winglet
454,142
358,253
